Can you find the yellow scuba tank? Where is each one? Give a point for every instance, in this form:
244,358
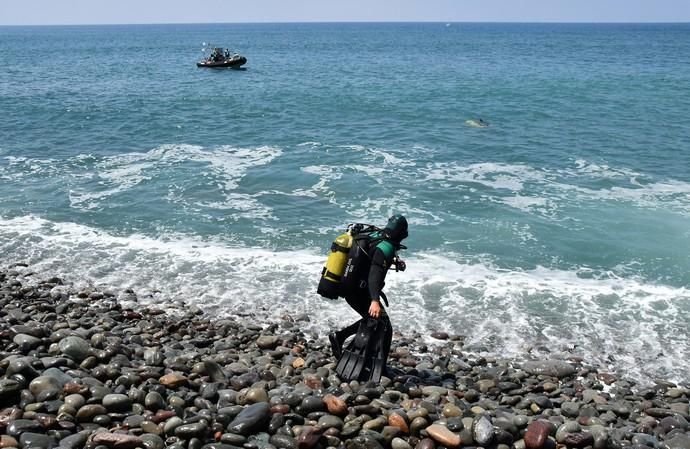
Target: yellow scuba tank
329,285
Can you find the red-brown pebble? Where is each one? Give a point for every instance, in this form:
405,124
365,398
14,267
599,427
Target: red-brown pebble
441,434
162,415
280,408
8,441
398,421
335,405
74,388
537,433
309,437
117,440
173,380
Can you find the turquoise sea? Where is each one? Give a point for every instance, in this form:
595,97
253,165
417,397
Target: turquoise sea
561,228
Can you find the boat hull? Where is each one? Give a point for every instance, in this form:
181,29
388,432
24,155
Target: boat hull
228,63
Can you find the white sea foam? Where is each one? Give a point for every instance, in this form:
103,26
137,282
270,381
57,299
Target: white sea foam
510,177
120,173
516,185
638,324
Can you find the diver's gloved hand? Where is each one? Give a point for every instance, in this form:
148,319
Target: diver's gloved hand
375,309
400,265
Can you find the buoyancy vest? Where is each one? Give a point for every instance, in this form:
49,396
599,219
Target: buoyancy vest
356,275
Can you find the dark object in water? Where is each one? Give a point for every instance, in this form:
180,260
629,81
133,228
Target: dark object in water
221,58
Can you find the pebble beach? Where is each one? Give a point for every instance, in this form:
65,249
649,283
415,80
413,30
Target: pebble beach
78,369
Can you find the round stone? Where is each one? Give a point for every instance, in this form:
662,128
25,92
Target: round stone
255,395
75,347
442,435
117,402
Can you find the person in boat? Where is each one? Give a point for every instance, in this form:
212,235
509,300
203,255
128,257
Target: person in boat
227,54
366,301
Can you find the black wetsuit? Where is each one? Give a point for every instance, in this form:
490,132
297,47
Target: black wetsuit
361,300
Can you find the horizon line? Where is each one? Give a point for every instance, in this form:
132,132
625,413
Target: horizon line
554,22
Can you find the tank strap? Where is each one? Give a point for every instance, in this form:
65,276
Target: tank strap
335,247
331,275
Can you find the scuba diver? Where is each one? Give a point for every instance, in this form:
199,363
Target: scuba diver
364,358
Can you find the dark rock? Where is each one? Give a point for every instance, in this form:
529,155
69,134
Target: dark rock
482,431
117,402
250,420
553,368
152,441
75,441
187,431
440,335
19,426
75,347
36,440
283,441
363,442
582,439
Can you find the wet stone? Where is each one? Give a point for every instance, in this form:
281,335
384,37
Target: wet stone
394,419
153,357
19,426
187,431
570,409
250,419
9,388
8,441
451,410
417,425
482,431
75,347
44,387
151,441
399,443
233,439
579,440
283,441
255,395
26,342
89,411
171,424
678,442
267,342
537,433
36,441
363,442
117,440
426,443
154,401
553,368
117,402
74,441
151,427
309,437
173,380
439,335
312,404
442,435
327,421
335,405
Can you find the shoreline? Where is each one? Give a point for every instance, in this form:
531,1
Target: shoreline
79,369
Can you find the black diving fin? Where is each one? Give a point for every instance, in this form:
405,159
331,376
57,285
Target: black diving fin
364,357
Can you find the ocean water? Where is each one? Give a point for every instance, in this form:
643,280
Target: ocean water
561,228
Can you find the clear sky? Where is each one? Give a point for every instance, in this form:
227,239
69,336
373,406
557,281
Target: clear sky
48,12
